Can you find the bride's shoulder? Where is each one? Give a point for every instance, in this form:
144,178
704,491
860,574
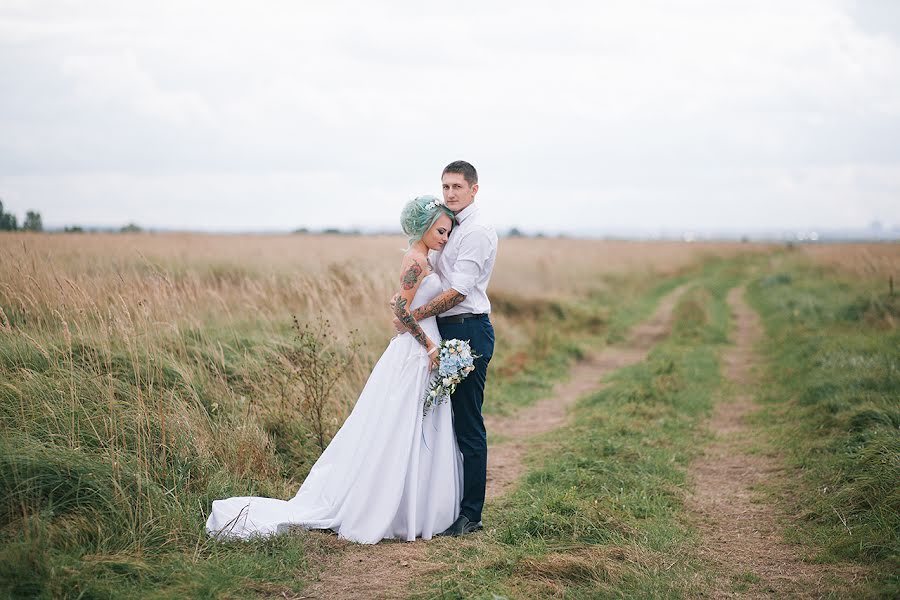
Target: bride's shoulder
414,269
415,264
414,256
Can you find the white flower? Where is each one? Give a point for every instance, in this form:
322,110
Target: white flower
455,363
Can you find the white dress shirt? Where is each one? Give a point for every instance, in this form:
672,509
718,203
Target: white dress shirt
466,261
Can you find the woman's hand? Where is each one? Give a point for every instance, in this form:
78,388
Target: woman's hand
434,355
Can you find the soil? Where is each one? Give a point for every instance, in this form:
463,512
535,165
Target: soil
740,529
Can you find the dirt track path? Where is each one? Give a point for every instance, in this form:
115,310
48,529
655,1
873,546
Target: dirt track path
385,570
505,459
740,532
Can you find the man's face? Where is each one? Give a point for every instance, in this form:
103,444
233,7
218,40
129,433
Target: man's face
458,194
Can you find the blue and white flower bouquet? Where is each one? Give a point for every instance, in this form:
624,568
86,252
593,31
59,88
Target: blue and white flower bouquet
456,362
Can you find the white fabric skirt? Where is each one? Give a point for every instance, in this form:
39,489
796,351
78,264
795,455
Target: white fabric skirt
386,474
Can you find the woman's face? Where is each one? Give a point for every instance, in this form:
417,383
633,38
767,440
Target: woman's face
437,235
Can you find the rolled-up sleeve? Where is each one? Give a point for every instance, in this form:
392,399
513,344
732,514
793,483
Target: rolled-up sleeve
475,249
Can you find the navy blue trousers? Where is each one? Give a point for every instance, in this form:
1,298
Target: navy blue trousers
467,420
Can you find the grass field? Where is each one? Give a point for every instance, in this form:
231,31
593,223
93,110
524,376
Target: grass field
143,376
600,513
832,402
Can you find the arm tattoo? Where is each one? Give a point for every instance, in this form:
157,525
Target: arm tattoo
438,305
411,277
409,322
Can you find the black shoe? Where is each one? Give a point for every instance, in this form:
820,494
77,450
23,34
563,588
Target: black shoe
461,526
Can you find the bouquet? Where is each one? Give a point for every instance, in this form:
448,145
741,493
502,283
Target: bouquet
456,361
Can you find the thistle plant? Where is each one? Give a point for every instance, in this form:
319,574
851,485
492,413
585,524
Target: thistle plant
317,361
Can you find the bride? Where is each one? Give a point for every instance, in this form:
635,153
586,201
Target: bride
388,473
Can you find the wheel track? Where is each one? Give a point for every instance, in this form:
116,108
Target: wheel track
738,526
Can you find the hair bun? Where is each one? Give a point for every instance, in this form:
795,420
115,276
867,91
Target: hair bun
419,214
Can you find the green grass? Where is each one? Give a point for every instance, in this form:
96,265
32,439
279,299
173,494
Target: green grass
600,511
33,566
110,453
832,406
742,583
112,450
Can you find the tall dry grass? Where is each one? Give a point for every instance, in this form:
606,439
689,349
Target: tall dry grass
139,373
214,301
873,260
123,290
178,280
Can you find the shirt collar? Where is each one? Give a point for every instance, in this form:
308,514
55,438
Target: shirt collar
466,213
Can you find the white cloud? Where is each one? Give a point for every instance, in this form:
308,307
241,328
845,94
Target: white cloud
116,82
618,111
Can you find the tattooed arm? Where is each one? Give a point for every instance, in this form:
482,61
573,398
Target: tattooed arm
413,272
468,268
439,304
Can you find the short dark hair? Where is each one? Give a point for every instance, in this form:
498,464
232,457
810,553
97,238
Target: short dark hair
463,168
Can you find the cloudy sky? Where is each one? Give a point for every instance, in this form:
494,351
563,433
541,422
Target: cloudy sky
644,115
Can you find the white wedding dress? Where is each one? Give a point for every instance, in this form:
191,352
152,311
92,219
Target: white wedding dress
388,473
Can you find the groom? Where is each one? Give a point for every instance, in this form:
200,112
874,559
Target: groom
464,267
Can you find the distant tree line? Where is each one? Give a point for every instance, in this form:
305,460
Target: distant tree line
513,232
328,231
33,222
8,221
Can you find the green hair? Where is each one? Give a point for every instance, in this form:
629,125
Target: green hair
420,214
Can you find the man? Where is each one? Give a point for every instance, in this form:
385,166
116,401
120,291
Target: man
464,267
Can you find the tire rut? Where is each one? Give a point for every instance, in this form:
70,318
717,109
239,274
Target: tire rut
739,528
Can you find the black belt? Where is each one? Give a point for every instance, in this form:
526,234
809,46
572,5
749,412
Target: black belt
460,318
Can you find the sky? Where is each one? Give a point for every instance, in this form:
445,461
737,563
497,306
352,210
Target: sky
639,115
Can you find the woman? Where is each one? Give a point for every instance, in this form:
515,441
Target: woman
388,473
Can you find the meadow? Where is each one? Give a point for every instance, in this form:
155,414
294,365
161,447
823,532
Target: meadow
143,376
